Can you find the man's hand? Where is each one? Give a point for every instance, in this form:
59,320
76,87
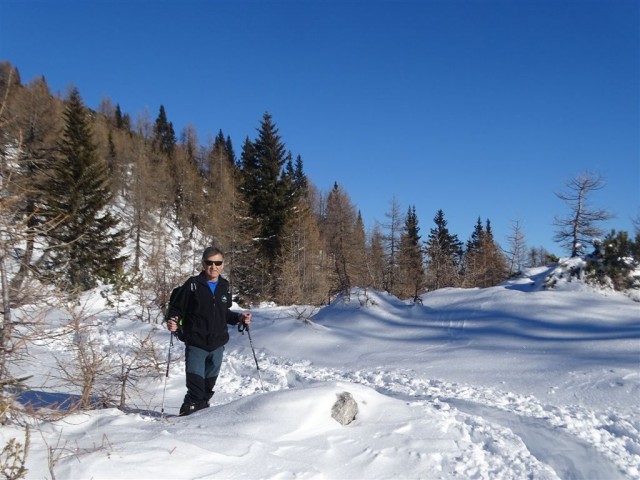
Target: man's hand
172,324
245,317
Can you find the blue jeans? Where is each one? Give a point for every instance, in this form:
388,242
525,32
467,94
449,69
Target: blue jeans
202,369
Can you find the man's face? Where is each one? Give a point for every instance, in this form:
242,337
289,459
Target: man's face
213,266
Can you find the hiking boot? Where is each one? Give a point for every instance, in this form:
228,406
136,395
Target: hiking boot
187,408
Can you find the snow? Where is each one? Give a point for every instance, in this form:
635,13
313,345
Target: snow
509,382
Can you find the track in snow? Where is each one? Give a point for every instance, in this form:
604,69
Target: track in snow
570,441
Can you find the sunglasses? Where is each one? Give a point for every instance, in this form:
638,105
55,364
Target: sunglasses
217,263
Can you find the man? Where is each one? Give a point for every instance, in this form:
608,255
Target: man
200,320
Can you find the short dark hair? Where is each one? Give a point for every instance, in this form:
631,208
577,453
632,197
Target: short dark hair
210,252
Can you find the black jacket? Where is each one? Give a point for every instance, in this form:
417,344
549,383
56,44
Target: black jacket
205,316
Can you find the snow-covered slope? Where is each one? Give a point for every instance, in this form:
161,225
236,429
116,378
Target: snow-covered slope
513,381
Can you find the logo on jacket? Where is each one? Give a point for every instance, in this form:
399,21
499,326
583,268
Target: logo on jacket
224,299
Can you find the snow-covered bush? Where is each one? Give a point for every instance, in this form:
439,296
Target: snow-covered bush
613,265
615,261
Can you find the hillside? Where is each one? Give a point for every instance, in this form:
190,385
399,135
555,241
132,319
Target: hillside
507,382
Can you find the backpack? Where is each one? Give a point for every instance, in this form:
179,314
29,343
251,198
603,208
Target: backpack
178,302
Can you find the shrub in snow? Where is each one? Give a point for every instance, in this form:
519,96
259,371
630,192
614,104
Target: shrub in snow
13,458
568,269
615,262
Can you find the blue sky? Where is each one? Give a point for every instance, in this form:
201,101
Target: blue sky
479,108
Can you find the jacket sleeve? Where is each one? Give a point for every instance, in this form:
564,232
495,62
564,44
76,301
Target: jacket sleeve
233,318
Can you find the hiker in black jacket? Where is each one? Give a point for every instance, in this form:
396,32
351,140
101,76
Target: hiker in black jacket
202,326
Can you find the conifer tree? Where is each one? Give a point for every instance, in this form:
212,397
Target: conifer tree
230,151
126,123
360,276
300,181
444,251
339,231
302,280
225,144
263,186
615,260
473,257
223,194
485,264
266,190
496,263
476,237
118,118
111,155
164,137
410,259
376,259
86,245
392,244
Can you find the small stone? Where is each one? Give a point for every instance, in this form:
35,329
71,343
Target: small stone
345,409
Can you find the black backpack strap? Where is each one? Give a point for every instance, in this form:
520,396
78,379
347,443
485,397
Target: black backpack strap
185,300
185,304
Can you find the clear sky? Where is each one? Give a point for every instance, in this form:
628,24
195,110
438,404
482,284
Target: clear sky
478,108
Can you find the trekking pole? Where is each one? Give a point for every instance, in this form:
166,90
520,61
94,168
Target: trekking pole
242,327
166,376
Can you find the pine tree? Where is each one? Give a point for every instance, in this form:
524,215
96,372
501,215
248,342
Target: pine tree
222,193
229,149
616,260
111,155
164,137
266,190
360,277
118,118
376,260
485,264
289,190
410,259
85,245
496,263
392,245
444,251
339,231
473,257
225,145
300,181
476,237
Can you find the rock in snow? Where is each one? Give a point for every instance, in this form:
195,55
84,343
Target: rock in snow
345,409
